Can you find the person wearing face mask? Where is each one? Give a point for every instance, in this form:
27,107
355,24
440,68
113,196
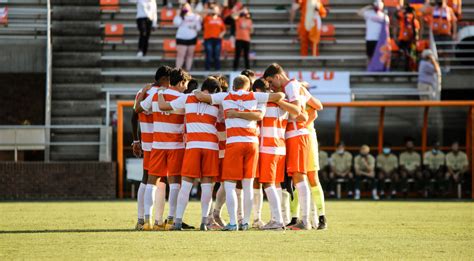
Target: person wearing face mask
364,166
189,24
341,167
433,163
457,166
243,30
374,19
387,168
410,167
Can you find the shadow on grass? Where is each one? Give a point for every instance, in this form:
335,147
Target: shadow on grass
65,231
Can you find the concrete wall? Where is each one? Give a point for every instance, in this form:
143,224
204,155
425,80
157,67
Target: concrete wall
65,180
23,56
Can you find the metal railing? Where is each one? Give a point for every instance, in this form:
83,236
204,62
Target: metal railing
49,75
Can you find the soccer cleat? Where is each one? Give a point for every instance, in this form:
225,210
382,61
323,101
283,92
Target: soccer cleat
157,227
322,223
203,227
230,227
273,225
218,219
244,227
258,224
147,226
139,225
186,226
177,227
293,221
300,226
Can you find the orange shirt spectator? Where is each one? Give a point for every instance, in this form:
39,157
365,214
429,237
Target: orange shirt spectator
442,20
213,27
243,28
408,26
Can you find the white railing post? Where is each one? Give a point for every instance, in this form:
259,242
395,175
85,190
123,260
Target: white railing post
49,57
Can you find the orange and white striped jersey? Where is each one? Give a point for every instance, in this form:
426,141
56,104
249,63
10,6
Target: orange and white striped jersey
146,124
168,126
294,92
240,130
200,118
221,135
272,130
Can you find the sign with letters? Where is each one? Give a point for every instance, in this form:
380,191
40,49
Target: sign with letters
327,86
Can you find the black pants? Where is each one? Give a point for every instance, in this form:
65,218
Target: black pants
370,48
371,180
239,47
144,26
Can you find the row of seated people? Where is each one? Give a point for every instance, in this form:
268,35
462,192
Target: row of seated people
390,176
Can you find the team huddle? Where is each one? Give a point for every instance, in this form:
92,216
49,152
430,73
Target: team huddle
259,133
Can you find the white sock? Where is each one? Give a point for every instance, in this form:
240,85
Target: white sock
160,201
257,204
141,201
304,196
183,198
240,199
275,203
206,200
285,207
173,199
149,199
247,188
231,201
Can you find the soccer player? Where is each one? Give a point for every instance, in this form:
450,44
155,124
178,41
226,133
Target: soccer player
201,157
272,155
146,192
241,156
168,146
297,137
318,208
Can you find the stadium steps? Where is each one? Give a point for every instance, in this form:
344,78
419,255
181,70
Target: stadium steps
76,97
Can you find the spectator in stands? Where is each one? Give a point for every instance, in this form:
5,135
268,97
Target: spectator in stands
387,168
341,168
230,12
408,33
443,22
410,167
364,168
457,166
309,28
189,24
147,18
214,30
434,163
243,30
429,76
374,19
324,168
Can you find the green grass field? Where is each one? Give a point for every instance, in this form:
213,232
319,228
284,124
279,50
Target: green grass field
357,230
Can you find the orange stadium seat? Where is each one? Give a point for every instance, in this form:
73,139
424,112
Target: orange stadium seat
169,47
109,5
393,3
4,16
166,16
114,32
422,45
228,48
328,32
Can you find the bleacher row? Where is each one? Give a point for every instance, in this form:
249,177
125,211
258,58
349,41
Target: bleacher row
23,19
